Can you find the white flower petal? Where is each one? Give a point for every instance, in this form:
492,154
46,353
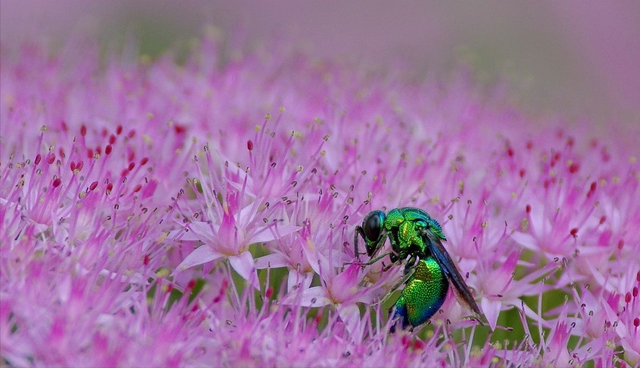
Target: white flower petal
491,310
245,267
301,280
350,315
526,240
274,260
312,297
269,233
199,256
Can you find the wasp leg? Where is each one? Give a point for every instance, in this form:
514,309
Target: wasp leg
408,272
386,268
410,263
372,261
360,232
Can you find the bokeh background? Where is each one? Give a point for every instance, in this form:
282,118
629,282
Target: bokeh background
578,59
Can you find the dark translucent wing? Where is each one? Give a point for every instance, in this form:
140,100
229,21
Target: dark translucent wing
441,256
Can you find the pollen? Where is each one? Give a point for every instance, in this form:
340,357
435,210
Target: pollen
310,245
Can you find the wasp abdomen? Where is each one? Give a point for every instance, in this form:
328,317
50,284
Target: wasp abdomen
423,294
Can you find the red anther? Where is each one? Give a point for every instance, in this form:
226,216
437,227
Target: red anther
510,152
179,129
318,318
529,145
570,141
144,161
593,143
109,188
636,322
269,293
104,132
556,156
131,156
560,133
593,186
72,165
418,344
132,133
137,188
80,165
37,160
119,129
546,184
51,157
83,130
574,168
621,244
638,276
107,149
131,166
191,284
146,260
56,182
528,208
522,172
112,139
574,232
89,153
93,185
627,298
406,341
124,172
61,153
64,125
195,307
603,219
99,150
169,288
250,145
635,292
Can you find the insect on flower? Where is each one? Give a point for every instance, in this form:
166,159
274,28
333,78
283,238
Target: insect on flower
428,271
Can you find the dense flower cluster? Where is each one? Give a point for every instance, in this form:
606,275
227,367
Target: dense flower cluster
165,214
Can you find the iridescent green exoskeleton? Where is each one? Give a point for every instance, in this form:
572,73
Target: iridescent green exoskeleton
417,238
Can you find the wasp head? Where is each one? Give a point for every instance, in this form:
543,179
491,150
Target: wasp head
373,228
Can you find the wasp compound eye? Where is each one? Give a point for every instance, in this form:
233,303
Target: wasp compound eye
372,225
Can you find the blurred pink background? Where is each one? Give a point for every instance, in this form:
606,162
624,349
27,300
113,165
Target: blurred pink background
581,59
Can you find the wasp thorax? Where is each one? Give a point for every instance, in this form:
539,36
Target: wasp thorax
372,225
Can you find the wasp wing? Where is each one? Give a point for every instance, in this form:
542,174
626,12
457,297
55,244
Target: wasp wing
435,247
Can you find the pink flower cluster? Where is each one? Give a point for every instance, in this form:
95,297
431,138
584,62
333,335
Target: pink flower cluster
164,214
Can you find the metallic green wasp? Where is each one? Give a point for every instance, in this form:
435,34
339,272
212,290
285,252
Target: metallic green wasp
413,234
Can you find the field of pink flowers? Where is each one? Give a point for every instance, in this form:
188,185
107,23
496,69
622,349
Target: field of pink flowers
202,213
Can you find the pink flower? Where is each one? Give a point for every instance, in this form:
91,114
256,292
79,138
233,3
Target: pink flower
234,230
176,215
